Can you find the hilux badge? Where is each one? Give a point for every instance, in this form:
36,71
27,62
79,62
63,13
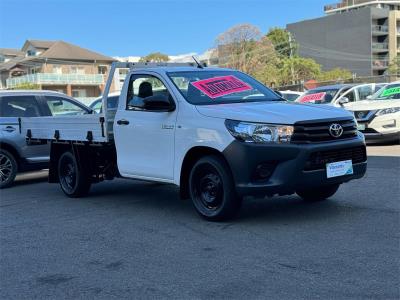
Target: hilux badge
335,130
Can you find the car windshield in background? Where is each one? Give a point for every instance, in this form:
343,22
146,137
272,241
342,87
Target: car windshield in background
320,96
220,87
290,96
391,91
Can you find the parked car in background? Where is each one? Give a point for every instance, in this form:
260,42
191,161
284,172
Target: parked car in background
379,117
112,102
15,155
291,95
339,94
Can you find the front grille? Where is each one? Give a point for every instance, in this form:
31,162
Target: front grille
318,160
369,130
315,132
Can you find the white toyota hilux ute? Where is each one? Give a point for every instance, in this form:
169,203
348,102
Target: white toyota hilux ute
216,133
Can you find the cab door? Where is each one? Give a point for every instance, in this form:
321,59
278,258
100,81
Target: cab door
145,133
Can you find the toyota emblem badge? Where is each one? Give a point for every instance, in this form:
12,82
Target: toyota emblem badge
336,130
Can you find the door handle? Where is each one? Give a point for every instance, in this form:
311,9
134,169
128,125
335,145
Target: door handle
9,129
123,122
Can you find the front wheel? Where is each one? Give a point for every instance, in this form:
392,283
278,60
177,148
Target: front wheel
8,169
318,194
212,189
73,180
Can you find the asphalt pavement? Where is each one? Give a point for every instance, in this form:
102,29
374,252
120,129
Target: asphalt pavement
138,240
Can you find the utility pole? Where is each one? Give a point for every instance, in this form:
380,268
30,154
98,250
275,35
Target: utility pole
291,56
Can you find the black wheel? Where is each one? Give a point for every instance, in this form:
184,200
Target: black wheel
73,180
318,194
8,169
212,189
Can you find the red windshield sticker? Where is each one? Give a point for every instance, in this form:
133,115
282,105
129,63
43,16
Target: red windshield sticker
312,97
220,86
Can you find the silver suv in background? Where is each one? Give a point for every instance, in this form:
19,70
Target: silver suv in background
15,155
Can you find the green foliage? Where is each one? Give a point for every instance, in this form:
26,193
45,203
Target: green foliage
334,75
271,58
394,66
155,57
27,86
282,42
296,69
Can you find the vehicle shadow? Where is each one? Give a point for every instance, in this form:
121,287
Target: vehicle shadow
287,209
161,197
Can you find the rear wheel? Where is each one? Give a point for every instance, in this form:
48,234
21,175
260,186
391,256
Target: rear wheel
318,194
8,169
212,189
73,180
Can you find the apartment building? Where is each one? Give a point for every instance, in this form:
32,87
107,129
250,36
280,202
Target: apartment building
362,36
55,65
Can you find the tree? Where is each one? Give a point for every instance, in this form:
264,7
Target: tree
335,74
242,47
236,47
394,67
296,69
282,41
27,86
155,57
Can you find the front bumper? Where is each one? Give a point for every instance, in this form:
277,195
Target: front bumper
288,164
372,137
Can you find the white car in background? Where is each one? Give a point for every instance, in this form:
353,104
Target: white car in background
378,117
340,94
291,95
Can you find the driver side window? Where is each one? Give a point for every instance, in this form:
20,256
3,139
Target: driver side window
142,88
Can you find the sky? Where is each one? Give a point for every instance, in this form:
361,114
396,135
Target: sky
139,27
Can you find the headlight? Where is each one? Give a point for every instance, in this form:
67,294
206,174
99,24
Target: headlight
386,111
259,133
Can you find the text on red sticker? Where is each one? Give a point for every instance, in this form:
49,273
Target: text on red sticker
313,97
220,86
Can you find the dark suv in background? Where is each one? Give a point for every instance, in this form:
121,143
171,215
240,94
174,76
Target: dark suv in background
15,155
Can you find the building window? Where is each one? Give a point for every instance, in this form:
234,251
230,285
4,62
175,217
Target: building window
102,70
77,70
57,69
31,53
78,93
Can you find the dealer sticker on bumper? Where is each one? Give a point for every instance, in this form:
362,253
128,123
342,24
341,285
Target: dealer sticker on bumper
339,168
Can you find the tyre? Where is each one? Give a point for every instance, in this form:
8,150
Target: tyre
318,194
73,180
8,169
212,189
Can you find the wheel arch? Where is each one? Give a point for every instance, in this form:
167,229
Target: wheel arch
10,148
190,158
56,150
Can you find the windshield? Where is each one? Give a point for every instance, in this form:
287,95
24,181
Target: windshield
390,91
290,96
319,96
220,87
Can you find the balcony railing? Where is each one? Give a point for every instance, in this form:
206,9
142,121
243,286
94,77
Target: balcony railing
380,46
347,3
56,79
380,28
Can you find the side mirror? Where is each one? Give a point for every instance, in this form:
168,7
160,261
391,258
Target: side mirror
158,103
343,101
